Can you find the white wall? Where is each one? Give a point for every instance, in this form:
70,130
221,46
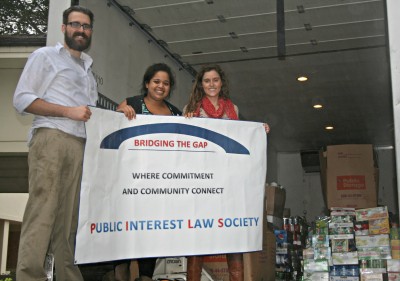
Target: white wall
304,192
13,127
122,53
393,7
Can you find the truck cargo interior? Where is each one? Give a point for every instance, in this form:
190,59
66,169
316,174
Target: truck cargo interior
324,74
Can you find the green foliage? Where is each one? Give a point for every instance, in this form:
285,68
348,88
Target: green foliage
23,17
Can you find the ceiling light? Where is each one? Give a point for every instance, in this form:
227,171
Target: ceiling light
314,42
209,1
244,49
317,103
307,26
302,78
329,127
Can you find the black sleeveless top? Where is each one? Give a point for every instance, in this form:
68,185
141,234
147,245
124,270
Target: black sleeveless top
138,104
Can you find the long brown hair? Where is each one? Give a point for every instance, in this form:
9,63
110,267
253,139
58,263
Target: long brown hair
198,93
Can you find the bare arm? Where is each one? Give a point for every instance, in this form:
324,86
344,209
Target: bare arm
127,110
266,127
44,108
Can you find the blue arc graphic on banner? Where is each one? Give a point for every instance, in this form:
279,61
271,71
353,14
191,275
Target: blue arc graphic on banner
114,140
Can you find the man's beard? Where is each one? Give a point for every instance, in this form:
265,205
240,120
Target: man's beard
77,45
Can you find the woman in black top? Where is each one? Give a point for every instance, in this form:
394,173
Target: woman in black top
158,80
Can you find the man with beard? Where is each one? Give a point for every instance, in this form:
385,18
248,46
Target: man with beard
56,86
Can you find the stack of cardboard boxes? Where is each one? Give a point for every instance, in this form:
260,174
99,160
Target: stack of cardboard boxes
344,252
373,242
359,247
349,179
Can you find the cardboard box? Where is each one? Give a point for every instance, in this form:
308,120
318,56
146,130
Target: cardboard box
275,200
316,266
258,266
344,278
372,277
379,226
348,176
316,276
368,241
395,246
345,258
372,213
393,265
217,266
393,276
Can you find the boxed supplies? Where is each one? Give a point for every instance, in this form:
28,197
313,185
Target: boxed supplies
217,266
361,228
345,270
345,258
372,247
275,200
320,241
258,265
308,253
373,277
374,253
261,265
348,176
344,278
316,266
393,265
372,213
372,266
316,276
393,276
322,253
369,241
379,226
341,230
340,245
276,222
377,219
395,246
394,232
342,211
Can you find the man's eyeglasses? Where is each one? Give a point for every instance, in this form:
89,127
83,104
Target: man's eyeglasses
78,25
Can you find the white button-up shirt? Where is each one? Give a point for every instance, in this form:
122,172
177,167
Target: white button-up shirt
52,74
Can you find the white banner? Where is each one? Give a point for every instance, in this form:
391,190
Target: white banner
160,186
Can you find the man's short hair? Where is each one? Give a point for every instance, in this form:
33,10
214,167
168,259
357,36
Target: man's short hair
79,9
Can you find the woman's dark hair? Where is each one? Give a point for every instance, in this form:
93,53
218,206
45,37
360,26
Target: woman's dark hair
79,9
152,70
